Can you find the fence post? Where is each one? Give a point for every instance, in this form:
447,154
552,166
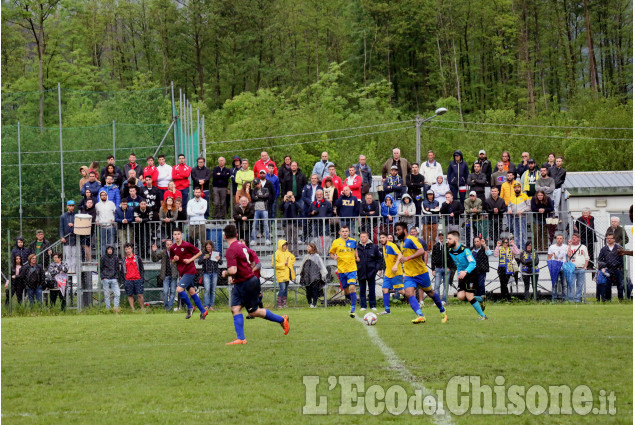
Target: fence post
275,276
59,111
19,176
174,118
534,246
418,123
78,273
446,273
114,149
10,278
203,140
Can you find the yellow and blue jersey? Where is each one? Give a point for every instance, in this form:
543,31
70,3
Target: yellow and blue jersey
417,266
391,252
345,251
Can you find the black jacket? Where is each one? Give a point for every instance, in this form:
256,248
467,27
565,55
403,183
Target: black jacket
220,176
22,252
610,260
145,216
209,266
152,197
490,204
455,207
322,209
200,174
478,182
482,263
486,168
365,209
32,276
110,267
286,185
370,260
437,257
415,184
291,209
558,175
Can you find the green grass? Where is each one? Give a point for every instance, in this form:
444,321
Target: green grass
159,368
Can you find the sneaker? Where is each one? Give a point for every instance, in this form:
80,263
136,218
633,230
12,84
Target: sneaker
420,319
237,342
384,312
443,303
374,309
189,313
248,317
444,317
362,309
204,314
285,324
312,306
482,318
352,314
267,242
300,241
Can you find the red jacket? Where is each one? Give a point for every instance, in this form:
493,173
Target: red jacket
337,183
181,176
152,172
259,165
356,187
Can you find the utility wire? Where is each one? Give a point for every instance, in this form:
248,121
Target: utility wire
521,134
535,126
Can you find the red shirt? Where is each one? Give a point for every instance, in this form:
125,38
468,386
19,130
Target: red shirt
184,251
356,187
238,256
174,195
132,270
254,260
337,183
260,165
152,172
181,176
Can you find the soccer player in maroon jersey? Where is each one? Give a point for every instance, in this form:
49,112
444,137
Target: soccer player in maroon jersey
246,287
183,254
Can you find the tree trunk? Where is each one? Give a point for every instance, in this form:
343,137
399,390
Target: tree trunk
458,81
524,51
593,72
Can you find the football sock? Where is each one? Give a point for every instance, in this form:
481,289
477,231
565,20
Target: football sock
477,307
198,303
478,298
353,301
437,302
415,305
239,325
387,302
186,300
273,317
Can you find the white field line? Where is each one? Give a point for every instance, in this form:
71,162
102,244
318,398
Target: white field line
397,364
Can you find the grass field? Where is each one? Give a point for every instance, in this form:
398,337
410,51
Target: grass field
159,368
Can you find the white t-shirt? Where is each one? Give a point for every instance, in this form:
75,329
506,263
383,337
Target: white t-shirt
580,257
559,252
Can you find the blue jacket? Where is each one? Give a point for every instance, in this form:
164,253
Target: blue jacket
458,171
432,218
113,194
321,169
347,206
394,185
370,261
463,259
386,211
120,215
306,197
65,229
275,181
93,187
323,209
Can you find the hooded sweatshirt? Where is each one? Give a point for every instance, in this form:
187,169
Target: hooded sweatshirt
410,208
440,190
386,210
110,265
347,206
458,172
284,272
23,252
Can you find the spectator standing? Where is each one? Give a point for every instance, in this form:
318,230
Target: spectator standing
17,286
117,178
67,236
611,263
112,190
529,268
284,263
308,193
41,246
115,170
244,191
321,168
416,184
87,240
523,165
369,262
457,176
337,181
558,252
143,216
439,264
363,170
507,164
369,211
621,238
402,164
196,209
579,255
478,181
152,195
393,184
263,164
541,207
431,169
517,208
181,177
545,183
32,274
110,270
505,252
132,165
430,219
312,274
559,175
275,183
236,166
165,175
486,168
347,207
91,185
168,275
476,225
83,171
220,180
551,161
124,216
201,176
499,177
181,215
151,171
585,226
261,198
245,174
529,179
354,182
295,181
495,207
243,212
209,262
57,271
507,188
105,219
133,277
291,211
480,253
285,168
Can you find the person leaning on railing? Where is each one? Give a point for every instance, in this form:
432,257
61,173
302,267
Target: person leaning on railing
496,208
541,207
452,209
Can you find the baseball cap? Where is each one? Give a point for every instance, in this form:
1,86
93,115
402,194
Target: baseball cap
394,167
516,184
256,181
262,172
531,161
430,191
472,193
481,151
70,202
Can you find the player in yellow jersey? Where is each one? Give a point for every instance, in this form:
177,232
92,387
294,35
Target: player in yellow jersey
416,272
344,251
393,273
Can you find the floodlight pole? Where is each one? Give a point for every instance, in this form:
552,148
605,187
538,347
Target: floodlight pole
173,116
59,111
20,176
419,121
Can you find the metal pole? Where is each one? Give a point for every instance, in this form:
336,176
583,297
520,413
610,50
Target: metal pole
174,116
418,121
534,247
193,159
113,141
19,176
182,121
446,273
198,132
59,111
164,136
10,279
203,140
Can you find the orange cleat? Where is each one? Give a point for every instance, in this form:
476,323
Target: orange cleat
285,324
237,342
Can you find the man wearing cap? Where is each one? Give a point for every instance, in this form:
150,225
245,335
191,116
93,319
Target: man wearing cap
486,165
517,208
473,208
478,181
261,197
529,178
67,220
220,179
393,184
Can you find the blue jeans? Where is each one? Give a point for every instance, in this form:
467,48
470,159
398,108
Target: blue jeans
518,227
480,290
575,285
209,203
108,235
260,217
272,212
209,283
111,285
284,289
169,291
439,283
559,284
34,294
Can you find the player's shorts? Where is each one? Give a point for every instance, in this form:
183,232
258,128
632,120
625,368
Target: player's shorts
186,281
133,287
422,281
395,282
247,294
347,279
469,283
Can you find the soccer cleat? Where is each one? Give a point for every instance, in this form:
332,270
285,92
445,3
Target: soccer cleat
444,317
237,342
420,319
285,324
482,318
352,314
189,313
483,305
384,312
203,315
248,317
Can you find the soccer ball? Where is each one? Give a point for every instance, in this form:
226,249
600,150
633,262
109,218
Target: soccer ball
370,319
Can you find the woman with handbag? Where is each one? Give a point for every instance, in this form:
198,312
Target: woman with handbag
506,252
58,274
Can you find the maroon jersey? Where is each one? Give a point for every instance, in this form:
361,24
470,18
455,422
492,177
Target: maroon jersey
184,251
253,258
238,255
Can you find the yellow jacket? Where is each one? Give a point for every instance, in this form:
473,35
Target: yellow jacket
507,189
284,272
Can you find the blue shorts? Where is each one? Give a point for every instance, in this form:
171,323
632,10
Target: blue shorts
247,294
347,279
187,281
133,287
422,281
395,282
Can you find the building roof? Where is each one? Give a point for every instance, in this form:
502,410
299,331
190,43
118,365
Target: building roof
599,183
